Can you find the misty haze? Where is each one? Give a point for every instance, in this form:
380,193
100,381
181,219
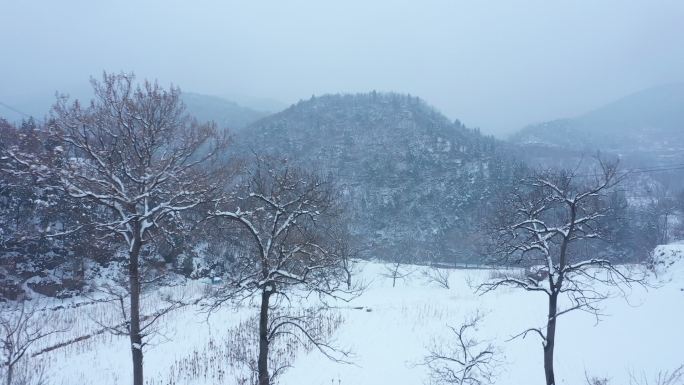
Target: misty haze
352,193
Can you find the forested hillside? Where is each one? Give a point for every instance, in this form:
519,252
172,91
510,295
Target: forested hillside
413,180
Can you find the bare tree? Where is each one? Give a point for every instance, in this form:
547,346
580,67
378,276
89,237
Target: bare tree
22,325
396,271
399,268
663,206
545,225
437,272
665,377
286,215
438,276
135,153
343,245
596,380
119,296
465,361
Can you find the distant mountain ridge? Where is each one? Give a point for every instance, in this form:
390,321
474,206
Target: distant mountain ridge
225,113
649,122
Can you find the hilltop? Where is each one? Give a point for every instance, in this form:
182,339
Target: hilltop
406,171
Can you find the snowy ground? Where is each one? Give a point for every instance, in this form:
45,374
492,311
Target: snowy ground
389,329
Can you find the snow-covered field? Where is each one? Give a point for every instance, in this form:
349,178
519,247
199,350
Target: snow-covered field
388,329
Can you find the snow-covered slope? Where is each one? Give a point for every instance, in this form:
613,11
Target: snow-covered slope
668,261
647,126
388,329
639,334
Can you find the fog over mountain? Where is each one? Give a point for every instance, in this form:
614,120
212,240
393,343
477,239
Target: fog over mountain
647,120
225,113
644,128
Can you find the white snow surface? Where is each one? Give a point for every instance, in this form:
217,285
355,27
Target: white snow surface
389,329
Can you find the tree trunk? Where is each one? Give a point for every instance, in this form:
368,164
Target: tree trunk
10,370
262,363
395,275
550,340
134,332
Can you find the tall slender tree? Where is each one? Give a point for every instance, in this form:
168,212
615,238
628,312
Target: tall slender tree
136,154
545,225
290,218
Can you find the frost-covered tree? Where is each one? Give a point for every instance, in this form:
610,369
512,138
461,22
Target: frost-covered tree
396,270
462,359
289,218
413,180
22,324
546,224
137,156
32,206
663,207
18,209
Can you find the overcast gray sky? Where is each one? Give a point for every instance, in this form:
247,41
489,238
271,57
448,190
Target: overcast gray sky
498,65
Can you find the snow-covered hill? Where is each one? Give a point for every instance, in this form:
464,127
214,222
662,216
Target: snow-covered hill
389,329
645,127
410,178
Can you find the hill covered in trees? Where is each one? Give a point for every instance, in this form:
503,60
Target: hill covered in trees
412,179
414,186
